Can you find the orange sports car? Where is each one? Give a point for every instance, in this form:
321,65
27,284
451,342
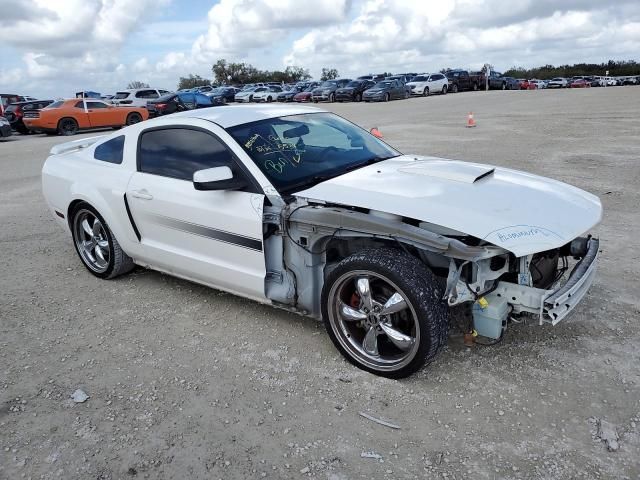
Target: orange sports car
66,117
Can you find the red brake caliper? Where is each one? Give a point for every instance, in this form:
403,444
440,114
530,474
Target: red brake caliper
355,300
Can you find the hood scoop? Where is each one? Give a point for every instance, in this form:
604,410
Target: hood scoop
449,170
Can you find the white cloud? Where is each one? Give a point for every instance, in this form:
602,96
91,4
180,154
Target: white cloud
413,35
59,46
236,26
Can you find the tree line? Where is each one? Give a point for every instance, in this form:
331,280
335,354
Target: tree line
234,73
616,68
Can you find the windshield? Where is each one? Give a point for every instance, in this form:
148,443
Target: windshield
420,78
298,151
383,84
354,84
329,84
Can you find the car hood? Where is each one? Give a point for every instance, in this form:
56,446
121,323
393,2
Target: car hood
518,211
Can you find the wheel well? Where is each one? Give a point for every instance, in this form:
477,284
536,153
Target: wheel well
73,206
67,118
337,249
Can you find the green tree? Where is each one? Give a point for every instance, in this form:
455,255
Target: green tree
192,81
137,84
328,74
231,72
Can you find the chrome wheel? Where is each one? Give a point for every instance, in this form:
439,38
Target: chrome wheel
373,320
92,241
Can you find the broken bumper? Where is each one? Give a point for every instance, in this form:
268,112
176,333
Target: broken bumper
554,305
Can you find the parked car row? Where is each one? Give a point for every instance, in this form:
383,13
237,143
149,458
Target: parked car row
90,109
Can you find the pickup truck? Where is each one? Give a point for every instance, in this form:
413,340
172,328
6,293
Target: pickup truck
460,80
497,81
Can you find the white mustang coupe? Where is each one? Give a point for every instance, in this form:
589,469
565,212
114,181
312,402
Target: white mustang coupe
303,210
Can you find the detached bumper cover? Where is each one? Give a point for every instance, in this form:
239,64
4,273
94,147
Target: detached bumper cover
559,303
553,305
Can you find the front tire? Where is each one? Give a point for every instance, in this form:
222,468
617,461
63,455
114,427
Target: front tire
384,312
358,97
454,89
425,92
386,97
444,89
96,245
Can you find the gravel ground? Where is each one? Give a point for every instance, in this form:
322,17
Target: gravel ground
188,382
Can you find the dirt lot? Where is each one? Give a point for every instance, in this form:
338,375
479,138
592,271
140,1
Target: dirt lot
188,382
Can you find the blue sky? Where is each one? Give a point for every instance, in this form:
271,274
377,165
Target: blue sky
53,48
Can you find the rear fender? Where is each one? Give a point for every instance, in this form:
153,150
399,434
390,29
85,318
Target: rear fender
112,209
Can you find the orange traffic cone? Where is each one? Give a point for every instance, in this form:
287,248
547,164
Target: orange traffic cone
375,132
470,121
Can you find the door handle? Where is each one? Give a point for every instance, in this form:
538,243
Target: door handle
142,194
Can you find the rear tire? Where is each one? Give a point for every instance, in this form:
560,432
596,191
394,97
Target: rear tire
67,127
90,234
420,323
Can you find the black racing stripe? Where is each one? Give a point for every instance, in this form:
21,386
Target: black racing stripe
133,223
208,232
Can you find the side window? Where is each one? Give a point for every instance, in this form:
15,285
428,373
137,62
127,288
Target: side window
110,151
179,152
147,94
79,104
93,105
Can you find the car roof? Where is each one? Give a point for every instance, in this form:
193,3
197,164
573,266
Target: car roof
132,90
232,115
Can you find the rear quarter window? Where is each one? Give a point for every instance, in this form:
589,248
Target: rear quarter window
110,151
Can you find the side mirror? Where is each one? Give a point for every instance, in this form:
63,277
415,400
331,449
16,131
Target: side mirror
217,178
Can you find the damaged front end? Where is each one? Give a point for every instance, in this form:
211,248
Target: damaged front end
535,284
490,280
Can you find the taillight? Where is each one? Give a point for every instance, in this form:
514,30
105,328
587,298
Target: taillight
161,106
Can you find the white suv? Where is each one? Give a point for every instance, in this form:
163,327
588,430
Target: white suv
426,84
136,97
